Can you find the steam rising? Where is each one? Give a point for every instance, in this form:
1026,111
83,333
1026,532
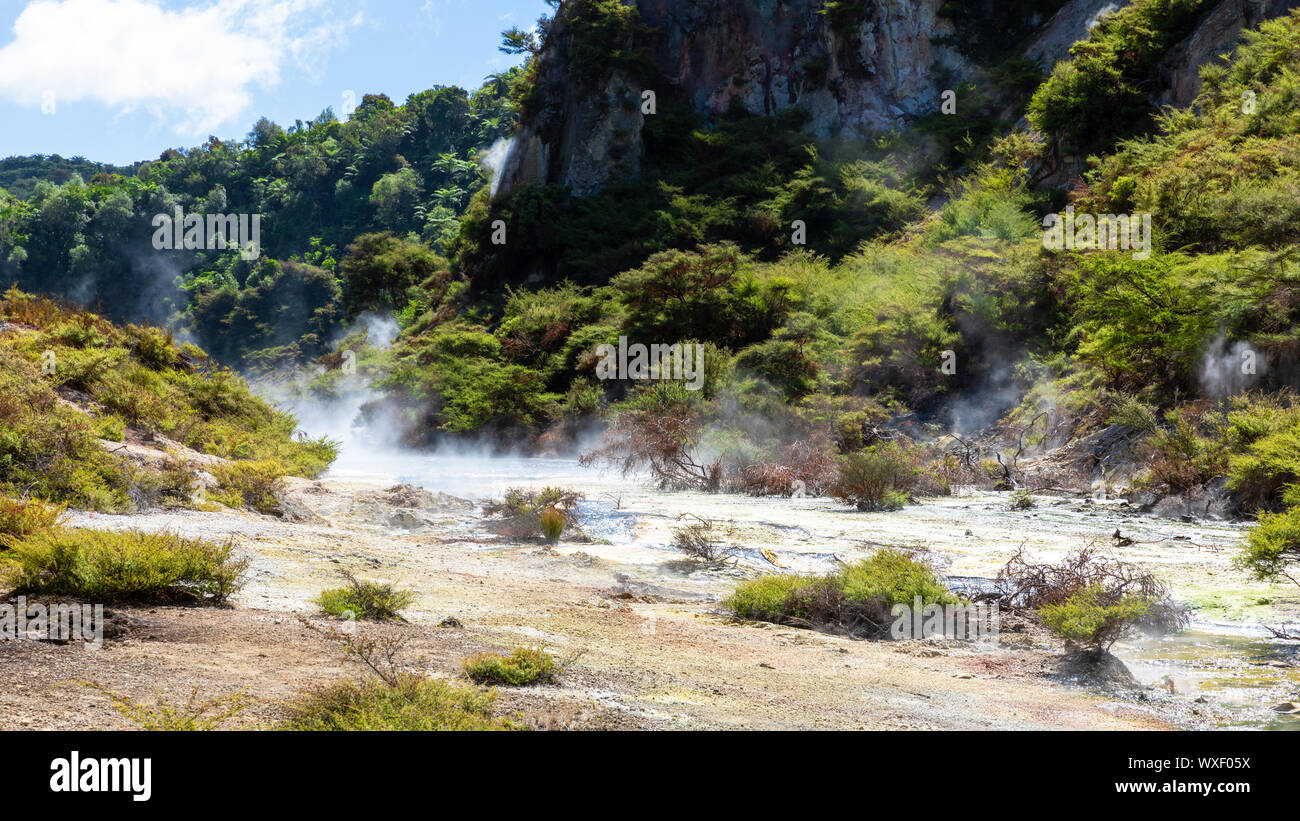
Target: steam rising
494,160
1229,370
974,412
363,441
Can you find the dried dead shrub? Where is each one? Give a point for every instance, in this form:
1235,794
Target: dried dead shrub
664,440
806,467
702,540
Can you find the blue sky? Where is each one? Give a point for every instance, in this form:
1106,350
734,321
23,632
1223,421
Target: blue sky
122,80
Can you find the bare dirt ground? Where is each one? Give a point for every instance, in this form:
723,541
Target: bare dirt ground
648,655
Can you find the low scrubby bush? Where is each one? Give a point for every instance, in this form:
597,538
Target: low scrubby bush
1272,549
122,566
532,514
880,477
701,540
195,714
20,518
1023,500
365,600
1135,414
1263,439
802,468
524,666
1183,455
408,703
256,485
1087,598
1094,618
857,599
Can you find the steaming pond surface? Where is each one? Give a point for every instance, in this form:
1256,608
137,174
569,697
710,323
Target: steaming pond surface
1243,676
1224,659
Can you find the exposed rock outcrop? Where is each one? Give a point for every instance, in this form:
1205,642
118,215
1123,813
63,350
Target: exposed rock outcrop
1068,26
868,67
725,58
1217,33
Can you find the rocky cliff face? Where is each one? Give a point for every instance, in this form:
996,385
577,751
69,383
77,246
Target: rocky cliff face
870,69
869,66
862,74
1218,31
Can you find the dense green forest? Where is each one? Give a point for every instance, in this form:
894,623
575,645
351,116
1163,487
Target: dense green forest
19,175
322,187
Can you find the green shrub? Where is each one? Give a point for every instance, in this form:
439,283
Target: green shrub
460,371
529,514
171,482
1089,598
365,600
896,577
256,485
880,477
47,449
1263,437
408,703
1273,547
154,347
109,427
767,598
1100,94
50,449
522,667
1023,500
1183,455
858,599
608,35
1218,175
379,269
991,203
122,566
1133,413
194,715
1090,617
783,363
1144,323
19,519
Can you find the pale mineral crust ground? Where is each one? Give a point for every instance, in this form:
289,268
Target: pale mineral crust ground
650,649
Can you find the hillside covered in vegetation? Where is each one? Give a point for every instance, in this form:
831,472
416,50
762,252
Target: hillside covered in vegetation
77,392
337,201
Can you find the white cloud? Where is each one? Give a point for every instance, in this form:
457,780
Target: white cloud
196,67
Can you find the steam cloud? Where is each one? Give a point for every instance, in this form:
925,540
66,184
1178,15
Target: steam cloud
1229,370
494,159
